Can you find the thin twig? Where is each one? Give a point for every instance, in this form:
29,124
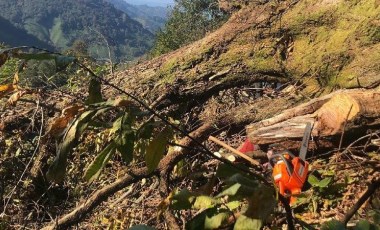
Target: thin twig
361,138
344,128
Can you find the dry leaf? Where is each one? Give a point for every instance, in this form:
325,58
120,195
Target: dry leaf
59,124
15,78
15,97
5,89
72,111
122,102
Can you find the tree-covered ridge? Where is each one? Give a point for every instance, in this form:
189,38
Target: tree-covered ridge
188,21
16,37
152,18
61,22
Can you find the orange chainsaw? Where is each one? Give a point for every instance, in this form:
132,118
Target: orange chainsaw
290,172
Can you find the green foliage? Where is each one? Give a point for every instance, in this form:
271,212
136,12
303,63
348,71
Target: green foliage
157,147
313,180
126,134
333,225
366,225
152,18
323,193
40,65
100,162
58,169
15,36
240,193
189,21
244,222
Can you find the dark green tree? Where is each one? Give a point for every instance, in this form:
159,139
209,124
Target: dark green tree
189,21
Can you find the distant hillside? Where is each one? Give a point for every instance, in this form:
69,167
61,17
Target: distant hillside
162,3
61,22
152,18
16,37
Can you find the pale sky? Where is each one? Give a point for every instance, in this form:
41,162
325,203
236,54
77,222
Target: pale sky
151,2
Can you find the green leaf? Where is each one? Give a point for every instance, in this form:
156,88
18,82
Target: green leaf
240,186
233,205
141,227
58,168
35,56
125,144
203,202
116,125
216,221
348,179
94,92
366,225
333,225
313,180
100,161
198,222
319,183
230,191
182,200
325,182
245,223
156,148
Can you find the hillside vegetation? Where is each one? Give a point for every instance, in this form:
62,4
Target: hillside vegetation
17,37
152,18
61,22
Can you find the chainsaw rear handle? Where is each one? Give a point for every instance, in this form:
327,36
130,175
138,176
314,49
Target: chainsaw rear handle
287,162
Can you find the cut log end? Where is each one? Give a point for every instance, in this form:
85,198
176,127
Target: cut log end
329,118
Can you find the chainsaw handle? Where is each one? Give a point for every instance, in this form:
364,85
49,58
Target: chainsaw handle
288,152
289,166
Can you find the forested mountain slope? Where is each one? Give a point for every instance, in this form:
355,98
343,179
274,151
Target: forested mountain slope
13,36
61,22
152,18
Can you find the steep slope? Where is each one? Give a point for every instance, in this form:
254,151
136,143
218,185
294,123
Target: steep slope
152,18
17,37
61,22
322,45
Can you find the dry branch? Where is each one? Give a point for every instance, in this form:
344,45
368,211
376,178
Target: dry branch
367,194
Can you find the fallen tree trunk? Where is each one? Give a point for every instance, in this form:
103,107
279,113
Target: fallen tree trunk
330,115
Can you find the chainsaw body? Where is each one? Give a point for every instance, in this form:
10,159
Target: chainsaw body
289,173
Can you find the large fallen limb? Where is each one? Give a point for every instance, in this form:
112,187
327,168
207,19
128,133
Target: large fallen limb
329,114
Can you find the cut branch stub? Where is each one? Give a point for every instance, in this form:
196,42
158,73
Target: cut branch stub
329,114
